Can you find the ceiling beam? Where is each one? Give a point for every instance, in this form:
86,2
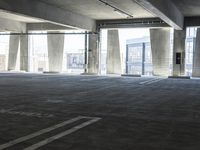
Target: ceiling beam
166,10
131,23
192,21
12,26
37,9
46,27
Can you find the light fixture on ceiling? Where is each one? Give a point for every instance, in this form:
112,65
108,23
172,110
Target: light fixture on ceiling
116,9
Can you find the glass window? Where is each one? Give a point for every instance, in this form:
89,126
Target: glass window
189,48
74,53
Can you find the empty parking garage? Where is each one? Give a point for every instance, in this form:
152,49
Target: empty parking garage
99,75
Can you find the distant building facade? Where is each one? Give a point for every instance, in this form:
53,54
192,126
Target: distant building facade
139,57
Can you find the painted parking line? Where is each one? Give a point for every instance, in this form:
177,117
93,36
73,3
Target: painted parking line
22,113
95,79
49,129
144,82
62,134
158,80
151,81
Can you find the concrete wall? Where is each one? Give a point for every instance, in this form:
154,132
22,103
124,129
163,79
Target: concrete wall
196,55
55,51
93,54
13,51
10,25
160,46
179,47
113,53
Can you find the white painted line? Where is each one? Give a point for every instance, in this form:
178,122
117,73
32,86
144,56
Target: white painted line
22,113
62,134
151,81
94,79
154,81
33,135
144,82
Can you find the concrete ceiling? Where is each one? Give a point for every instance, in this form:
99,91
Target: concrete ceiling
188,7
17,17
81,14
97,10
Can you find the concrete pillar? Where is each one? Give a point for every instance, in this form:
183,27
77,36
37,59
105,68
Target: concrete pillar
13,51
24,63
196,56
113,53
55,51
179,47
160,46
93,54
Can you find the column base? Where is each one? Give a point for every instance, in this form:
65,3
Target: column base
89,74
51,72
179,77
130,75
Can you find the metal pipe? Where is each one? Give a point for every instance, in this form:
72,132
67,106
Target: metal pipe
116,9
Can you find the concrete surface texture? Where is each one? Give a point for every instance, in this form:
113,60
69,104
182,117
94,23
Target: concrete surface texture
160,47
166,10
24,53
48,13
13,51
179,47
196,55
188,8
55,51
97,10
84,14
11,25
113,63
46,27
93,54
136,113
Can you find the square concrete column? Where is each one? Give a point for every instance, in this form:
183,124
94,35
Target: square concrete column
179,48
160,47
55,51
93,54
24,53
196,56
113,53
13,51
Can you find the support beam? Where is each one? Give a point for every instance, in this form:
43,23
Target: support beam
179,48
24,53
13,26
160,46
166,10
37,9
13,51
113,53
196,55
93,54
131,23
55,52
46,27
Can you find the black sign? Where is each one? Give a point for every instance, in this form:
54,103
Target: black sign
178,58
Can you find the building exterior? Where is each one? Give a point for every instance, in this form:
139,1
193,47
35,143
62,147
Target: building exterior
139,57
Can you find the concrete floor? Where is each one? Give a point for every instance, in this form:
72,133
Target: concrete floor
135,114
